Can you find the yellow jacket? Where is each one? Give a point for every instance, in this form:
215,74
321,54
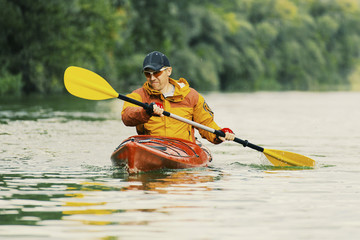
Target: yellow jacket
186,102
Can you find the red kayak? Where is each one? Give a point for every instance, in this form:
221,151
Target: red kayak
144,153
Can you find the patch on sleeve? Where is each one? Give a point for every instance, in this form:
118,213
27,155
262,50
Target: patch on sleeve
208,109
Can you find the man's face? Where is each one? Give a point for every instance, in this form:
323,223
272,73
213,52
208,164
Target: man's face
158,80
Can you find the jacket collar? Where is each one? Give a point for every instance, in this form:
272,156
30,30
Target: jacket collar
182,89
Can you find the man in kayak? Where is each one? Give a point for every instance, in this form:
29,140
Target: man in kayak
175,96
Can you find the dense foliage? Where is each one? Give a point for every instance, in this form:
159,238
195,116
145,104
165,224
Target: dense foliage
240,45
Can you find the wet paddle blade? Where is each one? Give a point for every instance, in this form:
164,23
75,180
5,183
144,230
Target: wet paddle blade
83,83
284,158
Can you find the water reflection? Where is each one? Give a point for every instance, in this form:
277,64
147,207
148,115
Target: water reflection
268,168
61,108
102,196
32,200
170,181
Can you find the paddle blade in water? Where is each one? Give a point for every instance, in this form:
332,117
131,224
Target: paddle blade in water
284,158
84,83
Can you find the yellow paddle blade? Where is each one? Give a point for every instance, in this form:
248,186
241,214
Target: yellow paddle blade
284,158
84,83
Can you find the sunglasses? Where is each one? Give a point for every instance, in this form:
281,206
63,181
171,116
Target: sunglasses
156,74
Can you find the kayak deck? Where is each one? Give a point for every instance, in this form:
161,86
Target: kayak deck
144,153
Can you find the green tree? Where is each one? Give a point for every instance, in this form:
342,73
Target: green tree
39,39
240,45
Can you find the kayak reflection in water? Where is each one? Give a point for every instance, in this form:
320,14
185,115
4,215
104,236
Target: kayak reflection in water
163,93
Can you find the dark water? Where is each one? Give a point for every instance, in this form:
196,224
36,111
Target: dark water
57,182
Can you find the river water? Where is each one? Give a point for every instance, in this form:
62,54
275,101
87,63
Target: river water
57,182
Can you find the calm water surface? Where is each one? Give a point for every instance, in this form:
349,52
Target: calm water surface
57,182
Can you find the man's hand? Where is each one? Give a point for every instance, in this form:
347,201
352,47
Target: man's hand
156,109
229,135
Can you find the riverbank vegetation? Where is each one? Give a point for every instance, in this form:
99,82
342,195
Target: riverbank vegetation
240,45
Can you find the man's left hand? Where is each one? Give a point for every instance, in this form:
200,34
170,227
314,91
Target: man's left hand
229,135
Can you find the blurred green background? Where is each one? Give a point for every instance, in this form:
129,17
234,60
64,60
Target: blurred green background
238,45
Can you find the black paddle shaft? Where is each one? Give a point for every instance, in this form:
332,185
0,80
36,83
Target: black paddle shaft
245,143
133,101
220,133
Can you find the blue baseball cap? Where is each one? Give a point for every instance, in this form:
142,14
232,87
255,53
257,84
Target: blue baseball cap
155,61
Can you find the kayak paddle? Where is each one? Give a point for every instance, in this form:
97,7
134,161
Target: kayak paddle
84,83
